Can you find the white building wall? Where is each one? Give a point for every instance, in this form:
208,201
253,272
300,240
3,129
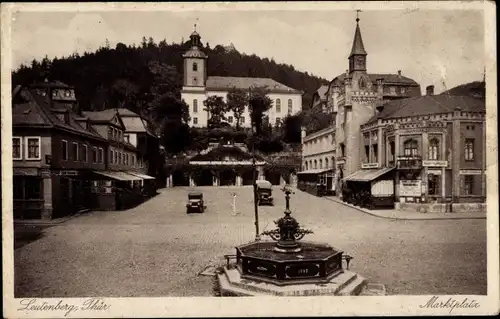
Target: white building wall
190,94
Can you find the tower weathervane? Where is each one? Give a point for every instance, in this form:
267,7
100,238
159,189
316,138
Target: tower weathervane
196,23
357,14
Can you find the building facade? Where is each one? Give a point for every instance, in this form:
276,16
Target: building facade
198,86
435,146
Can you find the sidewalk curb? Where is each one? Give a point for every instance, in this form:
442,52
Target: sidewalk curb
366,211
35,222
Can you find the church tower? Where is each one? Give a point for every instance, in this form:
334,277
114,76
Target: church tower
195,63
357,58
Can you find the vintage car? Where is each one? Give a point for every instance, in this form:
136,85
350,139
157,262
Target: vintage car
195,203
264,192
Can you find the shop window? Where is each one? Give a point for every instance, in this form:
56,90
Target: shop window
17,148
434,184
411,148
33,187
469,149
433,149
468,184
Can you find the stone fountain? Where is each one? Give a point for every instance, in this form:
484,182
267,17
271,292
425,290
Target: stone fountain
287,267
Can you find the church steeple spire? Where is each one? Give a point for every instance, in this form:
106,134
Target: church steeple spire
357,58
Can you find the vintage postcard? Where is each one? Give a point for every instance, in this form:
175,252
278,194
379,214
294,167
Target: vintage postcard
249,159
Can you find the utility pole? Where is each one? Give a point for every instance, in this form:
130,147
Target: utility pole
254,167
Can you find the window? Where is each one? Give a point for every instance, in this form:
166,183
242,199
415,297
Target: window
468,184
469,149
195,120
33,187
94,155
326,163
433,149
111,156
393,90
434,182
315,164
411,147
100,155
110,132
17,148
33,148
305,167
195,80
85,155
403,90
320,163
195,106
392,147
362,83
64,150
290,106
342,149
230,119
195,66
278,106
242,120
115,157
74,151
119,157
126,137
126,158
367,153
375,152
133,160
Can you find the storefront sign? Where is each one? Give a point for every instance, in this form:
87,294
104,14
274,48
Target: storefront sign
410,188
433,163
25,171
434,172
470,172
369,165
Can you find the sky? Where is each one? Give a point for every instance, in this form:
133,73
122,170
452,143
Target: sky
443,48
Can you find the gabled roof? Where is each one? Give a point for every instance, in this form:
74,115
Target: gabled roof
388,78
245,83
321,92
101,116
134,122
224,153
428,105
36,110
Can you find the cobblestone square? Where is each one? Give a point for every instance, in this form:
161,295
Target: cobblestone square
156,249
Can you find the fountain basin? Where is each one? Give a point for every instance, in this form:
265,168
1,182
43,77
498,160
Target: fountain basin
314,263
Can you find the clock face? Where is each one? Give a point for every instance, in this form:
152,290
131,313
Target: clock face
360,60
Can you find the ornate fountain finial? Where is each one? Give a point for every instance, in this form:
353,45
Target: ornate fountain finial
288,230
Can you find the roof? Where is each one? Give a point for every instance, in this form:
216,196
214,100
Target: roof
101,116
224,153
245,83
316,171
367,175
430,104
134,122
322,91
357,45
37,111
474,89
53,84
195,52
388,78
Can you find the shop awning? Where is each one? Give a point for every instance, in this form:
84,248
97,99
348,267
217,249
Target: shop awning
119,176
316,171
367,175
143,176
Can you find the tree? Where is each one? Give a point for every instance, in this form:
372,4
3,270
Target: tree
168,107
216,108
292,126
175,136
259,103
237,99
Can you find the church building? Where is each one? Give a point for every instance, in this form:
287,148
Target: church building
198,86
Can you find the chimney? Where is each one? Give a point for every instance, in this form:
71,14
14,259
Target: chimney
399,73
430,90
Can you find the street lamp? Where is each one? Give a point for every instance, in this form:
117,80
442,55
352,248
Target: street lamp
254,167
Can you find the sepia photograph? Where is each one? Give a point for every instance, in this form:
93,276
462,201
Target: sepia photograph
211,159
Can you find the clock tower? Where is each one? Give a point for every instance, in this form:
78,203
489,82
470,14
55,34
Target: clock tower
357,58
